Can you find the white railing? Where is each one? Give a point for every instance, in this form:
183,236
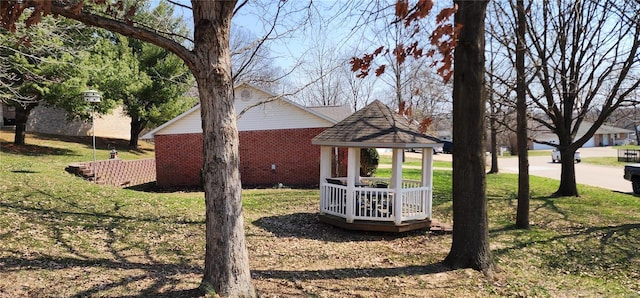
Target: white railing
373,204
333,199
376,204
414,203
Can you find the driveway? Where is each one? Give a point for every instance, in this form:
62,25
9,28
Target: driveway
608,177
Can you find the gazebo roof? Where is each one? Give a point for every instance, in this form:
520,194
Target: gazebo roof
375,125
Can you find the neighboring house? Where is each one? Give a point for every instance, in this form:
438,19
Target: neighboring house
50,120
8,114
275,141
53,121
605,136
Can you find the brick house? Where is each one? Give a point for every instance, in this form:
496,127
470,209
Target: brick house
275,141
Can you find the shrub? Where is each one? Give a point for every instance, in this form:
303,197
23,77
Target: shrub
368,161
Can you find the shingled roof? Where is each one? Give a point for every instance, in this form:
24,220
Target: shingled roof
375,125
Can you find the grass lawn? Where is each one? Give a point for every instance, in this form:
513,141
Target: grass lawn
61,236
415,162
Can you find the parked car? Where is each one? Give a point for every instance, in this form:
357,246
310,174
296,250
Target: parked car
447,147
555,156
632,173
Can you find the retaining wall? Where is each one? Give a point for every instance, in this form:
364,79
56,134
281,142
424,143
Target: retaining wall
117,172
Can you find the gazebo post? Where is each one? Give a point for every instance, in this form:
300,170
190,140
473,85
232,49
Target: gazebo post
325,172
352,167
427,179
396,184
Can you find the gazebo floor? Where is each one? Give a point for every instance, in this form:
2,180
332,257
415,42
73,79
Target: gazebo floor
379,226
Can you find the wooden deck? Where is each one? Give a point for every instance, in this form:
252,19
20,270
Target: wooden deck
381,226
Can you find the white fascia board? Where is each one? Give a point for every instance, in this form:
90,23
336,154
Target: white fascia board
377,145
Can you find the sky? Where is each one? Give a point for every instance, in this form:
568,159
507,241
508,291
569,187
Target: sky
342,26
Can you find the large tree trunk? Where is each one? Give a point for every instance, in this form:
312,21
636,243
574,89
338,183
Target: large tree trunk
470,246
522,215
22,116
226,267
226,271
567,174
137,126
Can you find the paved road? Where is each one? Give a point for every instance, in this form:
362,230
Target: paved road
608,177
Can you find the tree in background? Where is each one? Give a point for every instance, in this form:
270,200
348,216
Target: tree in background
163,95
323,79
163,79
48,64
252,61
585,56
522,213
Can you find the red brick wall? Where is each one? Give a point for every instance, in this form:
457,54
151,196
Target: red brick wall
296,160
178,159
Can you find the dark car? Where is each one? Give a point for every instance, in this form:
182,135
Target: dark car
632,173
447,147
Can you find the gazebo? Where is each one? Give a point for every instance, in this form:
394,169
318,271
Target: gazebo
370,203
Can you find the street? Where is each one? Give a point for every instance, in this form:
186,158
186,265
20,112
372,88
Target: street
609,177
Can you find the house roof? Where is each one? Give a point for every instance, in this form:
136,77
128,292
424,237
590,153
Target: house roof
582,130
375,126
331,118
604,129
337,113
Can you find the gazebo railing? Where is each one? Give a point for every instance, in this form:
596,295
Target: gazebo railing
414,203
333,199
376,204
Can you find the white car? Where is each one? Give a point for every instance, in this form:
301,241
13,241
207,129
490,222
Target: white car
555,156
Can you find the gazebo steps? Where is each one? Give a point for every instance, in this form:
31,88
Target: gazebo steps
384,226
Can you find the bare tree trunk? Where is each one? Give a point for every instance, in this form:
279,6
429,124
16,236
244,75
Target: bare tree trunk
567,175
493,123
470,246
494,144
137,126
22,116
522,215
226,267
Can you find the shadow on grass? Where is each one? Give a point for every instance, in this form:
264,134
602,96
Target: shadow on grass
163,276
162,279
599,251
101,143
149,273
33,150
24,172
20,205
152,187
119,256
308,226
349,273
560,241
